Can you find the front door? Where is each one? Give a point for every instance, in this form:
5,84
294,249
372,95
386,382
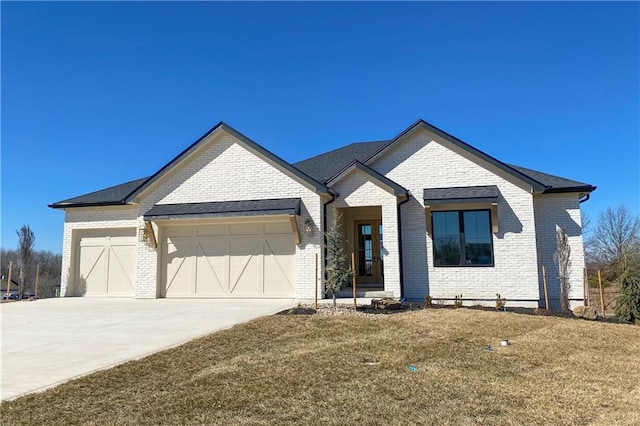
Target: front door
369,253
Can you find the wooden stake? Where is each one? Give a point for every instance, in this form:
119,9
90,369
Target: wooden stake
601,294
585,286
37,280
544,281
9,280
316,292
353,280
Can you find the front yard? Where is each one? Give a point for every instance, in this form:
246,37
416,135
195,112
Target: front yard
311,369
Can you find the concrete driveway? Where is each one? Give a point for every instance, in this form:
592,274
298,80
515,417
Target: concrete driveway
49,341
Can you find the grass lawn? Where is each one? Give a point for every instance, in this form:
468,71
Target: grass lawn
311,369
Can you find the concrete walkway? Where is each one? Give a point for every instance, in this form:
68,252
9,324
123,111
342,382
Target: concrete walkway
49,341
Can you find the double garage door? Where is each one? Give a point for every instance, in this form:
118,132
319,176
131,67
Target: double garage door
106,263
249,259
253,259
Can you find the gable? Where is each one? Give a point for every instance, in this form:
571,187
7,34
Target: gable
460,147
223,168
221,131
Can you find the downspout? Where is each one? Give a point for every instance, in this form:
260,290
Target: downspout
586,198
400,263
324,228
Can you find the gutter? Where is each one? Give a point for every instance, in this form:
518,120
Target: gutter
69,206
400,262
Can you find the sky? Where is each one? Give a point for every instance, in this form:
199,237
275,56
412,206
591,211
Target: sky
99,93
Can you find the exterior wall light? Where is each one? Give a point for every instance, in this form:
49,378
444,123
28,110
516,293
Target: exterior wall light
308,227
143,234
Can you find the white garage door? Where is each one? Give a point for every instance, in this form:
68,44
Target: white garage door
106,263
232,260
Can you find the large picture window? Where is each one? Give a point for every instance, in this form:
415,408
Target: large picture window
462,238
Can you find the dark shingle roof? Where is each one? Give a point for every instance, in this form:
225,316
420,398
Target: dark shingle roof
467,194
322,168
288,206
553,183
325,166
109,196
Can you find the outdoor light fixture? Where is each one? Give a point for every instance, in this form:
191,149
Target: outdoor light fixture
143,234
308,227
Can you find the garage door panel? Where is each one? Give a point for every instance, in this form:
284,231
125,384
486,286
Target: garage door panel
233,260
122,262
179,264
91,275
245,229
211,266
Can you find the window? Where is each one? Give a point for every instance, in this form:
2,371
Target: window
462,238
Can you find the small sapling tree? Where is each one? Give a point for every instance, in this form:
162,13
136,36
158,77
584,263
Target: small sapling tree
562,257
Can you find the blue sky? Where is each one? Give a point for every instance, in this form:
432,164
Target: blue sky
96,94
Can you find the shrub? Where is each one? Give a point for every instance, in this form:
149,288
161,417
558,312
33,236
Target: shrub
628,303
500,302
458,301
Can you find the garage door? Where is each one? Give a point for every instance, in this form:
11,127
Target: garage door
234,260
106,263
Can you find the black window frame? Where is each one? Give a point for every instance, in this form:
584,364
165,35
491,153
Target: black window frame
462,240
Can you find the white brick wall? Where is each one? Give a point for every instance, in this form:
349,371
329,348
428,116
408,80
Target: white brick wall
425,161
562,210
357,189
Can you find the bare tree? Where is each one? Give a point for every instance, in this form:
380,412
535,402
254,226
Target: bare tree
50,269
562,257
617,235
26,240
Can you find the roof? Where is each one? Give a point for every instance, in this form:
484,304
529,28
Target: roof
280,206
461,194
325,166
555,183
320,169
114,195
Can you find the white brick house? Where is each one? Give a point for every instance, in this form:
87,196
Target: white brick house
423,214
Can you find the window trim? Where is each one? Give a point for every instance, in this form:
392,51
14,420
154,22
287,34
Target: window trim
462,239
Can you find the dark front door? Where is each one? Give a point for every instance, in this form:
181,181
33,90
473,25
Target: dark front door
369,256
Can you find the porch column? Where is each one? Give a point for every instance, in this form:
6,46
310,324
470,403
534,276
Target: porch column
391,247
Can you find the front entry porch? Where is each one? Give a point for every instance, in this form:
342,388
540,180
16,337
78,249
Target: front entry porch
363,232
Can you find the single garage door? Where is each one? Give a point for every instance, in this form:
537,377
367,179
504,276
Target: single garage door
232,260
106,263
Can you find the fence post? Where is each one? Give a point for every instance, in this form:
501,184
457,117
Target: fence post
9,279
353,279
544,281
601,294
316,288
35,294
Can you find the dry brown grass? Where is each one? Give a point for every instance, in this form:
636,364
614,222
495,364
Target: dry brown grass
311,369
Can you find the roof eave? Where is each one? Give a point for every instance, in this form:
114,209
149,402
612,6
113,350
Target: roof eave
568,189
73,205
